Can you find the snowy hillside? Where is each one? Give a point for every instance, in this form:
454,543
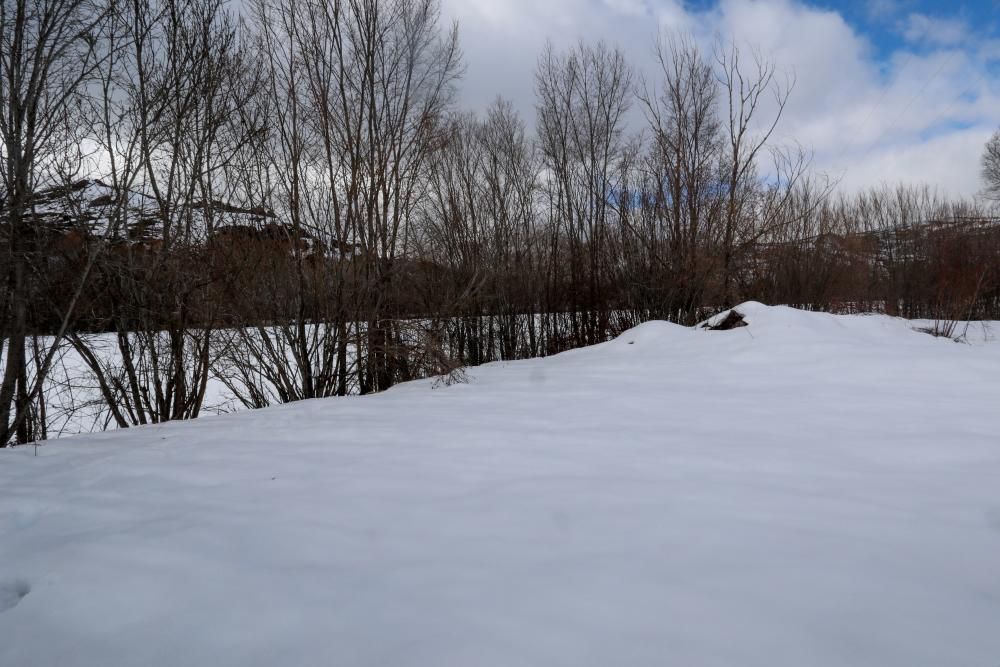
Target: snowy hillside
805,490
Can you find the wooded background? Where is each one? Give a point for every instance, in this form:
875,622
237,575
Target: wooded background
289,200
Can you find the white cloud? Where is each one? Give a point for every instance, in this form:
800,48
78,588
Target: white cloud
948,162
920,114
920,28
881,9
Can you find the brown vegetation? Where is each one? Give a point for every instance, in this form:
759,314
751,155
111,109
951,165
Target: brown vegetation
294,206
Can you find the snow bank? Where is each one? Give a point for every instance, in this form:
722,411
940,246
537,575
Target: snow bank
806,490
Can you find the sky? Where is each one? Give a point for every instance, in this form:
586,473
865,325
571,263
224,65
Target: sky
886,91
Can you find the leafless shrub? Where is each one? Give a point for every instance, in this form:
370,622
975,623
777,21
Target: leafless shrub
292,206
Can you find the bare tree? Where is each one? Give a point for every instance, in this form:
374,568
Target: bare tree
991,167
48,49
381,78
358,91
293,207
299,350
682,175
583,97
745,90
180,92
478,229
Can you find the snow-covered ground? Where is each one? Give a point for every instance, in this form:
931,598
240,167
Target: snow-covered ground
807,490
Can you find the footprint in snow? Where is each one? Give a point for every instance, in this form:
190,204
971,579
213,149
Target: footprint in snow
12,591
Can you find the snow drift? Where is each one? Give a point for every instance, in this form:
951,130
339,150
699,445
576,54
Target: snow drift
805,490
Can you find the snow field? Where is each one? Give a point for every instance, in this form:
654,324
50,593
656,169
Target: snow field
808,490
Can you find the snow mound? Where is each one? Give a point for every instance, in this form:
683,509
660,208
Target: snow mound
807,490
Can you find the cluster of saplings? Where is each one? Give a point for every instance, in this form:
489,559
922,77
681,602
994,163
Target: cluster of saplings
394,236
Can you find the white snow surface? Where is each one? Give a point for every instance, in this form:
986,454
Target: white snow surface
808,490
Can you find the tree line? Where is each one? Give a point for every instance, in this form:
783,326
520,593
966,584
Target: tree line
289,200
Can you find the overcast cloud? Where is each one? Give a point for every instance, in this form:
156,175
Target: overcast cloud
919,111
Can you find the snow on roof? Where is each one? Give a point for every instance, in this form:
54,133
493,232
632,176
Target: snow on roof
91,205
